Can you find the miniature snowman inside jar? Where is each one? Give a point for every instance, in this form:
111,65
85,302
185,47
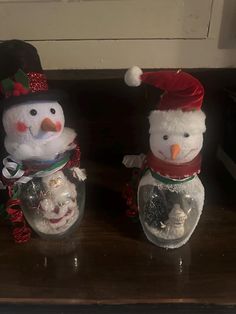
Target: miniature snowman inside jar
170,194
43,163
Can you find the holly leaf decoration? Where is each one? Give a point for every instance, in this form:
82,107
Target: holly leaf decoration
22,78
7,85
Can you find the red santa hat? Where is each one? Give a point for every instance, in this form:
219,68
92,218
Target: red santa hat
180,105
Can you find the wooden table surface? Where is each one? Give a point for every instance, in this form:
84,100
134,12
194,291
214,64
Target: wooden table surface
109,261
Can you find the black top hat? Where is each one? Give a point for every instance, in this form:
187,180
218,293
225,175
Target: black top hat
21,75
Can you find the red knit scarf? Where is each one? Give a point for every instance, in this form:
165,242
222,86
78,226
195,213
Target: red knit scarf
174,171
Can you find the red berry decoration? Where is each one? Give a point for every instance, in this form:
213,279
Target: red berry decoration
17,86
19,89
24,91
16,92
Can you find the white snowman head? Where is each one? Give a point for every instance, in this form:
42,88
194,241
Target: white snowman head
176,136
178,124
34,121
32,113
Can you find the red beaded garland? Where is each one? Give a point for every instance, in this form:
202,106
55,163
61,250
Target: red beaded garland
37,82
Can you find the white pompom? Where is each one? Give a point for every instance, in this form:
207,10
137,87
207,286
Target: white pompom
133,161
132,76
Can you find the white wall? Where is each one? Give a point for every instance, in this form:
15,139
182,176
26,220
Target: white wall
113,34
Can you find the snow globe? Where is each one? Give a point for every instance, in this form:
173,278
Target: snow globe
42,172
170,195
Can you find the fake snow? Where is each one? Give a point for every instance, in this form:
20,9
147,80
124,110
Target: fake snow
169,213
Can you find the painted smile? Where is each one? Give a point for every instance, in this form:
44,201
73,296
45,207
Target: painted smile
29,127
162,154
56,220
38,136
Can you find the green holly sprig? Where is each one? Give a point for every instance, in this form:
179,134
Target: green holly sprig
17,86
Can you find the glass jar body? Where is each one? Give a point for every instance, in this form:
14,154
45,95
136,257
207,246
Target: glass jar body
169,213
53,205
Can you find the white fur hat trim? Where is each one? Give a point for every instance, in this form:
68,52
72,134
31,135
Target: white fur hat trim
177,121
132,76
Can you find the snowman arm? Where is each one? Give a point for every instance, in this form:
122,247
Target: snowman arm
79,174
133,161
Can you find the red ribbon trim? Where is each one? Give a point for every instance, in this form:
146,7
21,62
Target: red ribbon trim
75,158
21,232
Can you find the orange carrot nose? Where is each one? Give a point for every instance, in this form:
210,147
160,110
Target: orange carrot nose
175,150
47,125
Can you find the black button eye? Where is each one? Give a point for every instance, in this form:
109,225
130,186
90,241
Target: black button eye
165,137
186,135
33,112
53,111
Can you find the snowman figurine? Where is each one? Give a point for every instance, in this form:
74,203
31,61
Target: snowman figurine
170,194
39,147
